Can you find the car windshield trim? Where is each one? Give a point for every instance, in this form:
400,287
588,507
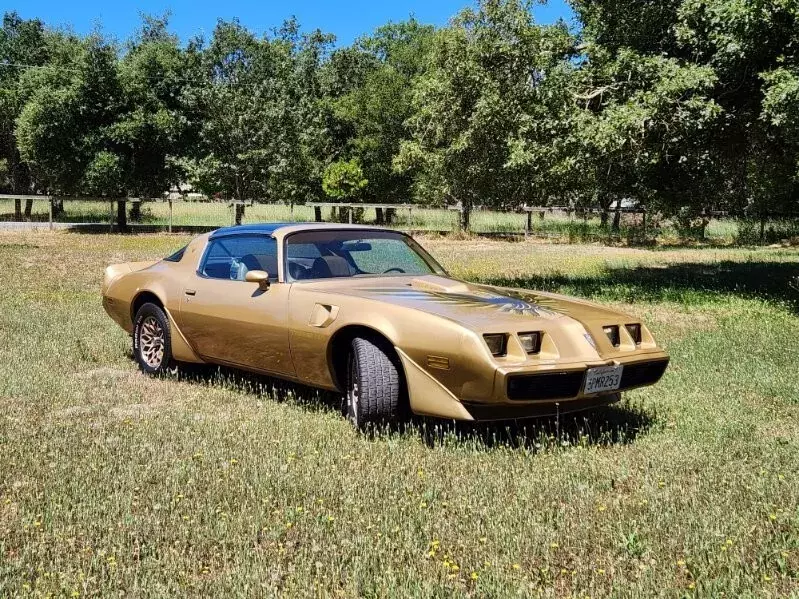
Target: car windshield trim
359,235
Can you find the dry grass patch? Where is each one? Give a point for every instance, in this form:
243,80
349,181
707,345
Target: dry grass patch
216,484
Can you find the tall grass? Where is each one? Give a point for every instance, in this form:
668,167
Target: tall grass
218,484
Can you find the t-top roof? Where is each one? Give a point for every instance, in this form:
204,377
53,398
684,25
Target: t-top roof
272,228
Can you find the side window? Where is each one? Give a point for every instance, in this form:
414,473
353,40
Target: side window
233,257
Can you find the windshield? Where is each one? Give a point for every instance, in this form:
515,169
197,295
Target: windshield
341,253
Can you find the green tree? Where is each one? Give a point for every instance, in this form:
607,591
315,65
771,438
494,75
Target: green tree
72,104
743,157
344,180
157,122
23,44
260,123
484,81
370,86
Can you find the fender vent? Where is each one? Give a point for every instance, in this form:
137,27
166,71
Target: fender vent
438,362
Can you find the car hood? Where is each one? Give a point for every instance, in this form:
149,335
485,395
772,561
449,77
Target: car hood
479,307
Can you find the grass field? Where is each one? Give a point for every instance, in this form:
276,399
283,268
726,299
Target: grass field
218,484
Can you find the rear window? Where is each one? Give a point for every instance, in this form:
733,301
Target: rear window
177,256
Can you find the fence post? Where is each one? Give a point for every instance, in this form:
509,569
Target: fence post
170,215
111,216
529,227
50,214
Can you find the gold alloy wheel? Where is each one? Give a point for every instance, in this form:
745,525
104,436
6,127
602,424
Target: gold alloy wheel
151,342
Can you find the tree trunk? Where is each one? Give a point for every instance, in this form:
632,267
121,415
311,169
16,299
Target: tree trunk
317,213
28,209
239,213
617,218
58,207
135,211
466,210
17,210
122,216
379,216
389,216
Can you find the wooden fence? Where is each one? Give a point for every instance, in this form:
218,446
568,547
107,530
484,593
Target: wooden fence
211,215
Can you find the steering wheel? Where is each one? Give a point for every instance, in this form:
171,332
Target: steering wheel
395,269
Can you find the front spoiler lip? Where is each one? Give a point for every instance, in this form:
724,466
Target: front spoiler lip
538,409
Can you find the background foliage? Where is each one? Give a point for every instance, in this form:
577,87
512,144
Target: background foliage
685,105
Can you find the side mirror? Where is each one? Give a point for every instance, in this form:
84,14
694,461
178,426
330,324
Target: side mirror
258,276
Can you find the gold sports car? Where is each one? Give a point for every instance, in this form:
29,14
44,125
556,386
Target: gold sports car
369,313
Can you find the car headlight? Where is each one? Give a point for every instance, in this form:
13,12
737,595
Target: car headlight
612,332
531,342
497,344
635,332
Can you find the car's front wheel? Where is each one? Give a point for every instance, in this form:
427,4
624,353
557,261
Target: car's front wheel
375,389
152,345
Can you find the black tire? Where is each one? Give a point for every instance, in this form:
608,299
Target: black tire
149,320
376,393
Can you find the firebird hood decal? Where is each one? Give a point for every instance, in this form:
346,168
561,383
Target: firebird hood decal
473,305
478,299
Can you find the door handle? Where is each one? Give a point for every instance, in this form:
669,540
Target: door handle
190,292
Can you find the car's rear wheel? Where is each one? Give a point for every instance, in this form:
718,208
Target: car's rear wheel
376,391
152,345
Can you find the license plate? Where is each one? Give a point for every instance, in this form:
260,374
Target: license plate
603,378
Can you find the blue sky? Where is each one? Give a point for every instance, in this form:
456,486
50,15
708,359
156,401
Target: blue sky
347,19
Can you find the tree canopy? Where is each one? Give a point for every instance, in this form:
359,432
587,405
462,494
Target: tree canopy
685,105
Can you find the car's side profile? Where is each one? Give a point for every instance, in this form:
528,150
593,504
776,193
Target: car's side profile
369,313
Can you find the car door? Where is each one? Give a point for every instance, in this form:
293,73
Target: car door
227,319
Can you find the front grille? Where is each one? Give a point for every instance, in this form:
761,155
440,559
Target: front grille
565,385
644,373
549,385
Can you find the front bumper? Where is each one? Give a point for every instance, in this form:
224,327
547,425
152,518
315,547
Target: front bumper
530,393
542,394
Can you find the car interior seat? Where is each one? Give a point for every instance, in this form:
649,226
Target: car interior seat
326,267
